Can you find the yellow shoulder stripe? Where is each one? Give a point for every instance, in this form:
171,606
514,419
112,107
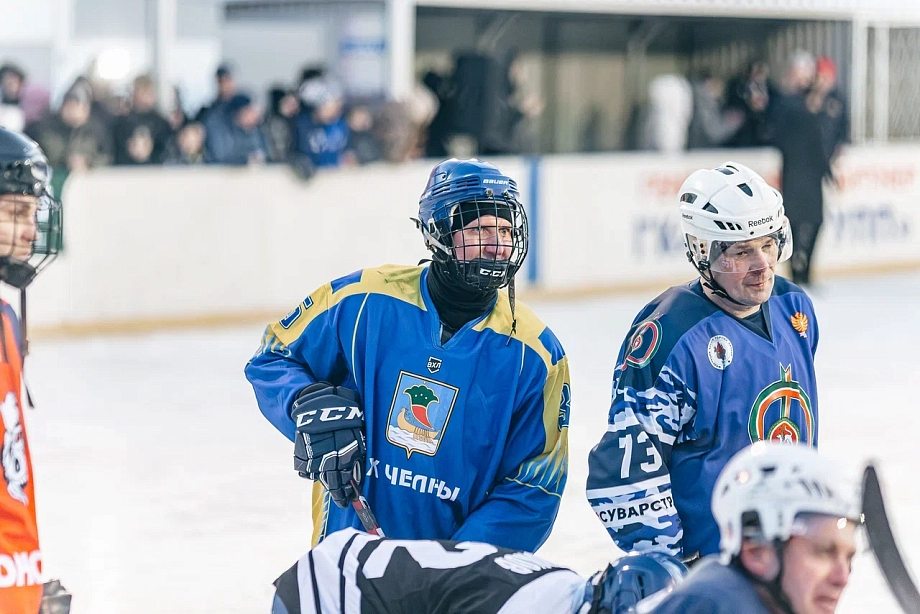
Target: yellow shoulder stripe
529,326
395,281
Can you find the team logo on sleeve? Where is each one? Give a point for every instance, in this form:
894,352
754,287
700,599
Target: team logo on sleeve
643,344
782,412
565,407
720,352
419,413
800,323
15,468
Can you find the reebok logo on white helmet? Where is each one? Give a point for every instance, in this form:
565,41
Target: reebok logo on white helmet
760,222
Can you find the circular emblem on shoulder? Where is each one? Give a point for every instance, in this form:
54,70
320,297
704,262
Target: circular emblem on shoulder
720,352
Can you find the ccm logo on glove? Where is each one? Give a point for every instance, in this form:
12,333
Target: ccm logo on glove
329,414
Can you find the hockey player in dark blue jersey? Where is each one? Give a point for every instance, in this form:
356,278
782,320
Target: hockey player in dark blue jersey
707,368
788,523
427,388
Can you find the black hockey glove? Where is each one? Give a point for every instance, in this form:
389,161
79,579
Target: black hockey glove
329,442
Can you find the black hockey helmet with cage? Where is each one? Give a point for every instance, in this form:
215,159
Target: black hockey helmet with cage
24,171
459,192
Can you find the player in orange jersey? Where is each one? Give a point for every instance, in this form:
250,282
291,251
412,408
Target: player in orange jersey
30,237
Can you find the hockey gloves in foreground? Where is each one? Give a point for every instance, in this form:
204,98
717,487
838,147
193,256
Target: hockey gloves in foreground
329,442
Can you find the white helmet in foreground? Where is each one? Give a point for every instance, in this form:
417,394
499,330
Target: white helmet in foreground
779,483
726,205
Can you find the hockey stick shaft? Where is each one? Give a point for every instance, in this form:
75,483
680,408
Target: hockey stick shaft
884,545
364,512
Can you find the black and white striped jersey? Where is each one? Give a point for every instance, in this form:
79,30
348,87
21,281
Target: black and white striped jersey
351,572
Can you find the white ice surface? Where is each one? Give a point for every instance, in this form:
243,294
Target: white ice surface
162,489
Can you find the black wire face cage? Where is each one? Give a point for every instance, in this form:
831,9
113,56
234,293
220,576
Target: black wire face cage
19,267
486,239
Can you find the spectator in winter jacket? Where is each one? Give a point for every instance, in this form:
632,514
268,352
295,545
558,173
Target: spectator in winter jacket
226,89
72,139
709,125
233,133
279,125
323,134
363,146
12,116
187,147
143,122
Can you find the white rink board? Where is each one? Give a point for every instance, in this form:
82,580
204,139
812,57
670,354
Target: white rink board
217,244
608,220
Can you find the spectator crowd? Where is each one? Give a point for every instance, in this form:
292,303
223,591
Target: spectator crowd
747,110
478,109
308,125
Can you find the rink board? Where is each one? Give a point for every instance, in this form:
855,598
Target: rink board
164,247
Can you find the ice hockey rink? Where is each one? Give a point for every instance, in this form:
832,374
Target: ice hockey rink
161,489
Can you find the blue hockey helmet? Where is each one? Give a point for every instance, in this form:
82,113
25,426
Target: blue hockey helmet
632,578
483,255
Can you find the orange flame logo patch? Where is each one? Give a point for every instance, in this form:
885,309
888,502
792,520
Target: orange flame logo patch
800,323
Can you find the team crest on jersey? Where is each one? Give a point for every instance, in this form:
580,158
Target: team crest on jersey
782,412
288,320
800,323
720,352
419,413
15,468
565,406
643,344
434,364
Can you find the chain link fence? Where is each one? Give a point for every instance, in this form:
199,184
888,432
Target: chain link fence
904,83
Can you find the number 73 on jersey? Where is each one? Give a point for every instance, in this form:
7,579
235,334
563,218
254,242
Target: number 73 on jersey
643,445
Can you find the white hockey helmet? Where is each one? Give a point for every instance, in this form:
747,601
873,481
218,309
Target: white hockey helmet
726,205
783,484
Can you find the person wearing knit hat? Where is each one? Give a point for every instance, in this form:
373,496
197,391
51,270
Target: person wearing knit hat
430,374
834,117
474,224
825,67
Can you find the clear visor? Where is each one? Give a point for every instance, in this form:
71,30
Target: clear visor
830,530
756,254
820,528
814,525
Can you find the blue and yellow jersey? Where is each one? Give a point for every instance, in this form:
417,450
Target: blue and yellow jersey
466,440
693,386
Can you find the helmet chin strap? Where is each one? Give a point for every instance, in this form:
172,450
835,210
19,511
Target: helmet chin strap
711,283
440,251
774,587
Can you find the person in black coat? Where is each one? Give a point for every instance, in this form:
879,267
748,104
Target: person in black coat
796,132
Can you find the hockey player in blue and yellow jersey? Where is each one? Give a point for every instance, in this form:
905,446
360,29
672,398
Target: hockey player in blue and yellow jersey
707,368
427,388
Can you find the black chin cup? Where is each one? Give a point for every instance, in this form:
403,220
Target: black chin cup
17,273
482,273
